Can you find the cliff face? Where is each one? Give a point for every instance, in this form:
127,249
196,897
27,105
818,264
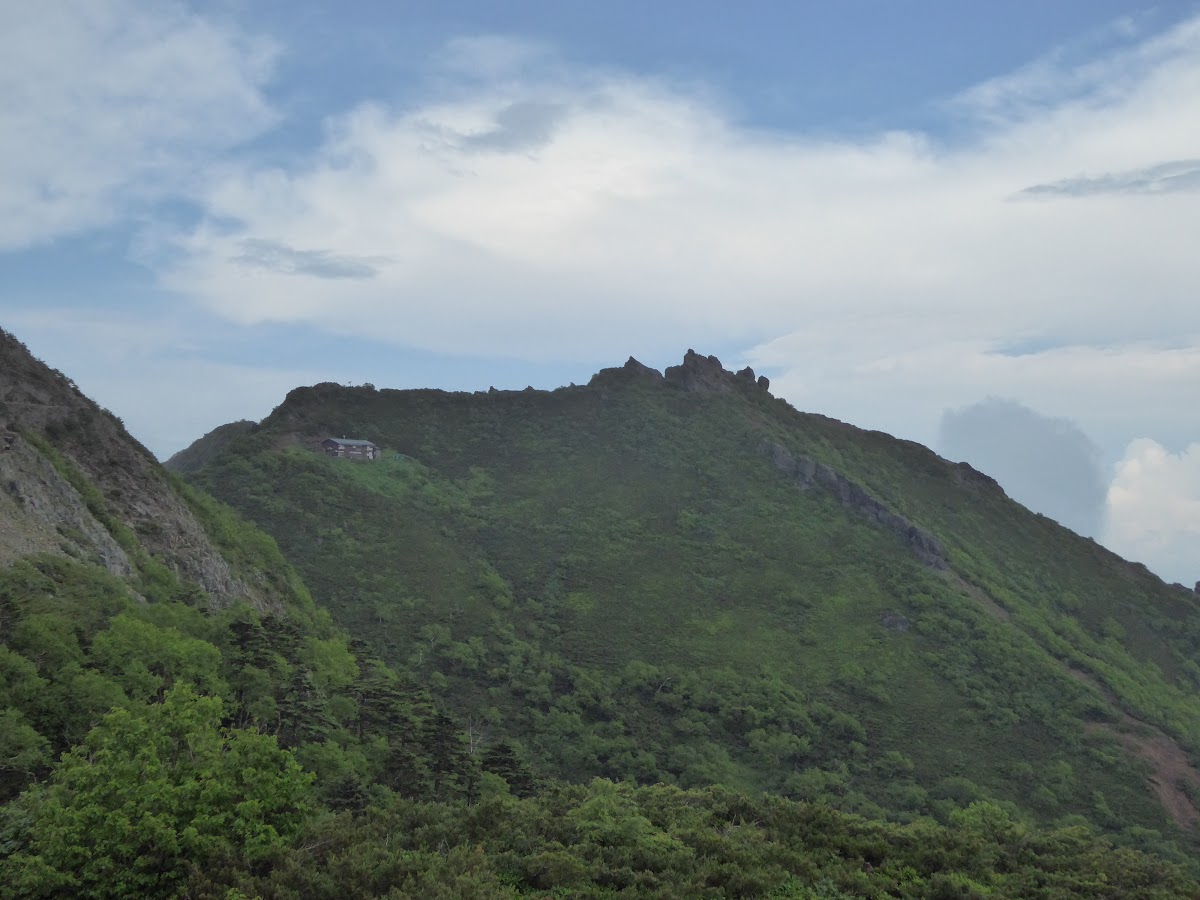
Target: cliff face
73,481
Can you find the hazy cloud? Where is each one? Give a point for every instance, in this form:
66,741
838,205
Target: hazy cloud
1154,509
318,263
519,127
1183,175
492,56
1047,464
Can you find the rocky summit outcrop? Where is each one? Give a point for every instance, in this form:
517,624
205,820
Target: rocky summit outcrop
71,476
632,371
808,474
706,374
696,374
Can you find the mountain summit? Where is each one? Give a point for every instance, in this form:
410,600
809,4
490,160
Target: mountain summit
678,577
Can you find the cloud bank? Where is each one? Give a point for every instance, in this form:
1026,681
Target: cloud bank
1047,464
1154,510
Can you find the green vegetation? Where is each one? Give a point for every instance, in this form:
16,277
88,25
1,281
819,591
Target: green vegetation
154,794
618,578
594,643
227,754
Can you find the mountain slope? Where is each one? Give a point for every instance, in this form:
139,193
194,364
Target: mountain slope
75,483
202,450
678,577
159,740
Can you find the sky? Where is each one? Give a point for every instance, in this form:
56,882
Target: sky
970,225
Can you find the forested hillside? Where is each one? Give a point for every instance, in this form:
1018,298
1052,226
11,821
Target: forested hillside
684,580
632,639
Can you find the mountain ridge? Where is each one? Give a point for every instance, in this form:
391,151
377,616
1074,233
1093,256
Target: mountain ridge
652,637
603,502
78,484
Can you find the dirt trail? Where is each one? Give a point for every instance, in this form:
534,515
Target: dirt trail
1172,773
978,593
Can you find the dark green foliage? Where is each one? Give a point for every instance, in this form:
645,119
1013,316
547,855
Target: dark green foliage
619,578
607,840
203,449
780,698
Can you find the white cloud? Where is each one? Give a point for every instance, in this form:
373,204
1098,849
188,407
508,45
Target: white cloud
1154,509
491,56
634,205
107,104
542,211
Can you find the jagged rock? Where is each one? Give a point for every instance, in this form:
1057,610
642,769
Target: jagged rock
631,371
808,474
972,477
705,374
700,373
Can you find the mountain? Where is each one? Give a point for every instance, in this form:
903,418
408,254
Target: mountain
659,579
203,449
76,484
676,577
167,688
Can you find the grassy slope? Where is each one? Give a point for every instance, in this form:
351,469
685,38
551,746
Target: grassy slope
635,524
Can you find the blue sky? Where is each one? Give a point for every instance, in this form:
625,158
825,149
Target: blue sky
896,211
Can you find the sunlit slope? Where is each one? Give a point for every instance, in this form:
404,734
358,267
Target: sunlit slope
659,579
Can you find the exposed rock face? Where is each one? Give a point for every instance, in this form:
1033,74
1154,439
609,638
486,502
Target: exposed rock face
44,513
696,374
808,474
706,374
630,372
700,373
40,512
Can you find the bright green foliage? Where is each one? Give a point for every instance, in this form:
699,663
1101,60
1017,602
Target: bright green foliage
153,794
23,752
146,660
